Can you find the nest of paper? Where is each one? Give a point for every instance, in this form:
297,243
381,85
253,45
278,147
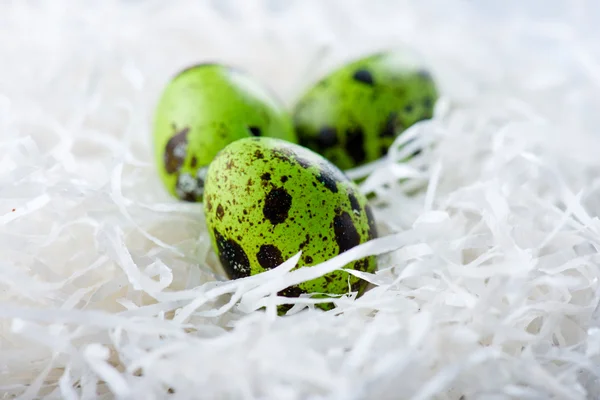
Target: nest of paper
488,258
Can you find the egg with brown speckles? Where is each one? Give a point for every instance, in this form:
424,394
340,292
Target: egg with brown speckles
352,115
202,109
267,199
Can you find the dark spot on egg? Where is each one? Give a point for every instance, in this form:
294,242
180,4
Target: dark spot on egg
194,162
232,256
208,200
427,102
284,179
266,176
175,151
254,130
364,76
292,291
371,221
277,205
326,179
283,308
258,155
362,265
346,235
354,203
269,256
305,242
408,108
390,126
327,137
355,144
357,286
308,259
283,154
220,212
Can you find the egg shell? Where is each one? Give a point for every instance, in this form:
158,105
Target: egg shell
200,111
267,199
352,115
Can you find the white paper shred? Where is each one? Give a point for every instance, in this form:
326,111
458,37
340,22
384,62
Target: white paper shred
488,282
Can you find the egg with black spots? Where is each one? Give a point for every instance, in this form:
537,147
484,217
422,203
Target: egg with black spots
352,115
267,199
203,109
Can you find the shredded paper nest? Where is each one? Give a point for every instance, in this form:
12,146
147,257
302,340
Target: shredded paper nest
489,251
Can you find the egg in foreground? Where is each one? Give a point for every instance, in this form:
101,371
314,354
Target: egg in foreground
266,199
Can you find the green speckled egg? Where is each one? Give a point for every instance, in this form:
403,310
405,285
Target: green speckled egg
353,115
266,199
203,109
